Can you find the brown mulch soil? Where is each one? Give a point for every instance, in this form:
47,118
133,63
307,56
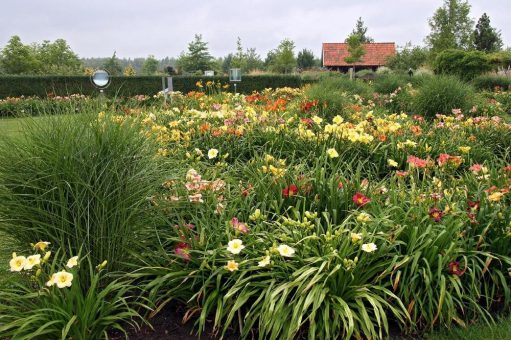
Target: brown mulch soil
168,324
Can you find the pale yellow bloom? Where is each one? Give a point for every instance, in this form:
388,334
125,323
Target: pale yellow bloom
212,153
363,217
285,250
355,237
17,263
464,149
264,262
72,262
332,153
47,256
369,247
392,163
62,279
495,197
41,245
32,261
232,266
51,281
235,246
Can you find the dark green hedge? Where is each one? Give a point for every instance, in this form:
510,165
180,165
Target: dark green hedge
15,86
491,82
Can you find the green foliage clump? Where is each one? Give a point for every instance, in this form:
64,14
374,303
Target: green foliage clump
77,309
330,92
492,82
442,94
79,181
464,64
386,84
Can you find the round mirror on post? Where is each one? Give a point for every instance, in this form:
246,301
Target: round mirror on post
100,79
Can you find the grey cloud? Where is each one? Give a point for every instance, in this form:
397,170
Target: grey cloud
164,28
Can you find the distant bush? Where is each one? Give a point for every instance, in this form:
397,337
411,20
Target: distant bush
383,70
442,94
41,86
388,83
492,82
464,64
365,74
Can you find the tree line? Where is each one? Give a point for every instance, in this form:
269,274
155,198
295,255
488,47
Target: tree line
452,29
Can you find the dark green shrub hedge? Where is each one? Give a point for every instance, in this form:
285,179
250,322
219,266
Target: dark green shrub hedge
41,86
465,64
492,82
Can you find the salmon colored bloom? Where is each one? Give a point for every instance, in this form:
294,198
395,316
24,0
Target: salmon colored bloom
417,162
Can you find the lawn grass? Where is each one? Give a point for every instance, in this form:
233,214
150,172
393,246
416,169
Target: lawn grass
500,331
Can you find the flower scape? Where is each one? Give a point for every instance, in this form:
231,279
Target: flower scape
279,215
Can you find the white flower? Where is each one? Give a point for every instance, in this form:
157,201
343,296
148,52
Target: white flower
235,246
369,247
72,262
62,279
32,261
212,153
264,262
17,263
285,250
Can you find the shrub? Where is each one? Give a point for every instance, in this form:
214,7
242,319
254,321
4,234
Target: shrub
78,181
491,83
41,86
442,94
464,64
386,84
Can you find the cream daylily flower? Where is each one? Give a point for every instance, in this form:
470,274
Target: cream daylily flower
32,261
235,246
72,262
212,153
285,250
17,263
62,279
369,247
264,262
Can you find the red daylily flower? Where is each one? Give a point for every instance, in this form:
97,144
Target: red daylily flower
182,251
454,268
360,200
436,214
289,191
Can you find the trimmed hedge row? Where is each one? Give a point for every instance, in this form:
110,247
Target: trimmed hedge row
41,86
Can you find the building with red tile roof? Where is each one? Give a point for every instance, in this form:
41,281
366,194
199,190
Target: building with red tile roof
376,55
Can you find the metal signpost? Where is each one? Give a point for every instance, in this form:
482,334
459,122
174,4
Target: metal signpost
167,89
235,77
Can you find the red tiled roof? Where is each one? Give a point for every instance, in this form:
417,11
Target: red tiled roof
376,54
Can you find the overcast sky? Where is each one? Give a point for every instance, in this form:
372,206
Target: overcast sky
137,28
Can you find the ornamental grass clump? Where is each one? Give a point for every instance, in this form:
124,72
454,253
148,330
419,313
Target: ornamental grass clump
82,181
442,95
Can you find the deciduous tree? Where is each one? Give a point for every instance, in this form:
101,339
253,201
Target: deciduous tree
451,27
